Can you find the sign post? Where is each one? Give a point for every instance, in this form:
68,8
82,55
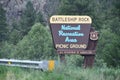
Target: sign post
74,35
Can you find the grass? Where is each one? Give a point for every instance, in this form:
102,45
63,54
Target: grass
60,73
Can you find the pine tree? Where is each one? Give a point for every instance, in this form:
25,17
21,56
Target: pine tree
39,18
3,25
105,16
27,18
74,7
82,7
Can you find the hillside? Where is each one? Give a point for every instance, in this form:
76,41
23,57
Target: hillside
25,34
14,8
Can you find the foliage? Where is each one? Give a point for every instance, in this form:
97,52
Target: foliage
27,19
25,41
3,24
74,60
82,7
111,53
39,18
6,50
36,45
15,36
62,73
105,18
74,7
20,28
30,17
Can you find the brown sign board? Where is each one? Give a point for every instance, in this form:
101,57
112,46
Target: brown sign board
71,34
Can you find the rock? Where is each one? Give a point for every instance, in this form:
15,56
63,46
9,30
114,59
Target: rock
14,8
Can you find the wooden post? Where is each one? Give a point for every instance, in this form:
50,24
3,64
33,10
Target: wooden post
88,61
62,58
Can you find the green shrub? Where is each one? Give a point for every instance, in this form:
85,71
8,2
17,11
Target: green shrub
36,45
74,60
6,50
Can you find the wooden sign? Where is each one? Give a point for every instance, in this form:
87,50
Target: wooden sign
74,35
71,34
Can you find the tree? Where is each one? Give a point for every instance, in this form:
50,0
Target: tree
6,49
40,19
27,18
36,45
3,24
72,7
111,53
83,7
21,28
116,17
108,47
105,18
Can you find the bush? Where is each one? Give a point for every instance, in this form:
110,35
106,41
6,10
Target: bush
36,45
108,48
74,60
6,50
